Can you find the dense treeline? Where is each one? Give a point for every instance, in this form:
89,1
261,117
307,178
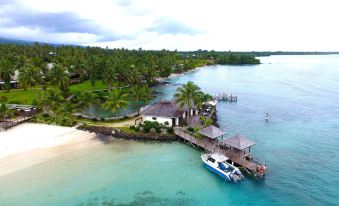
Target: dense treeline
128,67
109,78
237,59
222,57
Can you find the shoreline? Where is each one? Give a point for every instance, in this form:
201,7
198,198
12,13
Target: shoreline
30,144
160,79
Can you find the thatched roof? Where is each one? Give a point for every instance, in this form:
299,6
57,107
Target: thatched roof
164,108
212,132
239,142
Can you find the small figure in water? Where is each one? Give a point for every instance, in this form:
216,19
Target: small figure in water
267,118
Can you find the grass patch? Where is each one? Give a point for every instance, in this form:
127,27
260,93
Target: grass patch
126,130
20,96
87,86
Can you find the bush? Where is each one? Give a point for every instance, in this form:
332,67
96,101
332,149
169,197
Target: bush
148,125
170,130
45,115
190,129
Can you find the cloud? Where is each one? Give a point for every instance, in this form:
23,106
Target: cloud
175,24
40,26
171,26
64,22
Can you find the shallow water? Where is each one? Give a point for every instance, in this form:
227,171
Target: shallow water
299,144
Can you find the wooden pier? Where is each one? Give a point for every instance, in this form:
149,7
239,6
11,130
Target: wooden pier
251,166
226,97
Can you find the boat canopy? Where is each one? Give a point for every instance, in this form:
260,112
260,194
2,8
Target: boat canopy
219,157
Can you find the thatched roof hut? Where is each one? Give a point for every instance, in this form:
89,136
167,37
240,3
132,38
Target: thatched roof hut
212,132
239,142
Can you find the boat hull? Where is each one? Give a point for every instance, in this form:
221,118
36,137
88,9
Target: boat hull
218,172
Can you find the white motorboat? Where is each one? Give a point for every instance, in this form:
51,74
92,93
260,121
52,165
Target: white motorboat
218,164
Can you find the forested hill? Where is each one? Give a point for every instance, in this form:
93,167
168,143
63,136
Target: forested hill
22,42
14,41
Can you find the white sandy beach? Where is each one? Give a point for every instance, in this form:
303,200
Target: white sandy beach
30,143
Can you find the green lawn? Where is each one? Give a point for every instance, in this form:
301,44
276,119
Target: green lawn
85,86
20,96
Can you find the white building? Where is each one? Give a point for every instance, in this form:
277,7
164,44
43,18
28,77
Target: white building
167,112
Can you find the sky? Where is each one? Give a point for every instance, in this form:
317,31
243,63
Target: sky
222,25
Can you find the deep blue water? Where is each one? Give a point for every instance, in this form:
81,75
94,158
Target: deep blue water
299,144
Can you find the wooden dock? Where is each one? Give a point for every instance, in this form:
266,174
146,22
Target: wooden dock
226,97
251,167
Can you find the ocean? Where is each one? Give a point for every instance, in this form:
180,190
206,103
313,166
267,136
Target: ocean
299,144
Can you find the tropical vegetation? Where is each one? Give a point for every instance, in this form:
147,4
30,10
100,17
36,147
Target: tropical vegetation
61,80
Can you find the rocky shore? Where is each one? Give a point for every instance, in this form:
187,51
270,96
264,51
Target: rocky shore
117,133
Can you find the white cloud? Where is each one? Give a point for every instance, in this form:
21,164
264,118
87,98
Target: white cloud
188,25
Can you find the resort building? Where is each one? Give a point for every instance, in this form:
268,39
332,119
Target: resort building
13,81
168,113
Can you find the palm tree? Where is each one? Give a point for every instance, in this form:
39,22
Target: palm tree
53,98
27,75
115,101
203,98
141,94
59,77
110,74
6,73
133,76
188,95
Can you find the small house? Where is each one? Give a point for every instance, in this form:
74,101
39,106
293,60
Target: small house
167,112
13,81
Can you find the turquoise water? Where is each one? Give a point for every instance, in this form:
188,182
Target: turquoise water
299,144
98,112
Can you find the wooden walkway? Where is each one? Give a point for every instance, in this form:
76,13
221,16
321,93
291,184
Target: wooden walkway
214,146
